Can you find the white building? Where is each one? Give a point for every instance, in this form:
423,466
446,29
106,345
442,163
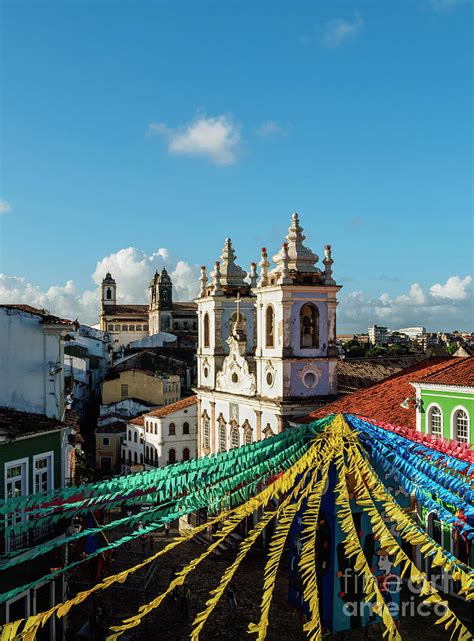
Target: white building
413,332
267,345
162,437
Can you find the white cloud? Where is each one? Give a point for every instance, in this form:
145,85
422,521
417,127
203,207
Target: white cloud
270,128
132,270
5,206
442,307
455,288
215,138
339,30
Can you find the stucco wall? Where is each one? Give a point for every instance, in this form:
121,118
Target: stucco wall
141,385
448,402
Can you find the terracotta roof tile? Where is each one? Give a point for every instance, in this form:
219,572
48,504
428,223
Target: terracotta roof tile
460,372
382,400
45,315
16,424
126,310
167,409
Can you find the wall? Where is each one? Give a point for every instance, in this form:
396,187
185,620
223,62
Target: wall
112,450
26,348
448,401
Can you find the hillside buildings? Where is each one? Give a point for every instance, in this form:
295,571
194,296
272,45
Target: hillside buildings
128,323
38,441
266,345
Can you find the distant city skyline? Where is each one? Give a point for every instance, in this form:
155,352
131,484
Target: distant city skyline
126,147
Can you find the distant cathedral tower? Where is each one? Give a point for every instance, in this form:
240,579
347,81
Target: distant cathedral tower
161,302
109,291
267,344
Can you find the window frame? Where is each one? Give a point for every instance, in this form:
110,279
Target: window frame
428,421
454,414
45,455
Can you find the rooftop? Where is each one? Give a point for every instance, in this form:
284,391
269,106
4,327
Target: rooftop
15,424
126,310
166,410
117,427
382,400
460,373
47,318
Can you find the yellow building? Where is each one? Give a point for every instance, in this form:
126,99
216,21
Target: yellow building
108,442
158,389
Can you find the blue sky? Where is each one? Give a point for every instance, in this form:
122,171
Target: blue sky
173,125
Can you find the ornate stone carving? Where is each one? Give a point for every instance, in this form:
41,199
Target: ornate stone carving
310,375
235,376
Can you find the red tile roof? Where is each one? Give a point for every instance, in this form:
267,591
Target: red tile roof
460,372
167,409
15,424
46,316
382,400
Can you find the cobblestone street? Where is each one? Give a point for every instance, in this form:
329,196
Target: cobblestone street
170,623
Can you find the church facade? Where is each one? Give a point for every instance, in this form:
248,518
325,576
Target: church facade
266,345
127,323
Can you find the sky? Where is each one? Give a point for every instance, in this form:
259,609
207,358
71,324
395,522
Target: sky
141,134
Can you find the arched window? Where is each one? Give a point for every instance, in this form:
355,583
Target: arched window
129,457
172,429
141,458
185,428
435,421
234,436
248,436
461,426
186,454
156,428
109,293
309,326
222,434
135,437
270,327
206,430
206,330
129,435
147,452
172,456
135,458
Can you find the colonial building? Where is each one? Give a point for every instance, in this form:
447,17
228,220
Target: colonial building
128,323
266,348
152,387
162,437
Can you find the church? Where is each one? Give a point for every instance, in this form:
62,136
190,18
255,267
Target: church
267,343
128,323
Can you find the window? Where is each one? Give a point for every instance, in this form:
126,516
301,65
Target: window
141,458
105,440
222,435
147,452
248,436
16,484
435,421
309,326
206,430
43,472
461,426
124,328
234,436
129,435
269,327
135,458
186,454
172,456
129,457
135,437
109,294
185,428
172,429
206,330
156,428
110,327
124,390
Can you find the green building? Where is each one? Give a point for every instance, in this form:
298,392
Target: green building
445,401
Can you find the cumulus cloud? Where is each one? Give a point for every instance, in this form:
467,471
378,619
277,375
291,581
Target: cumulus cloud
215,138
5,206
441,307
338,31
132,270
270,128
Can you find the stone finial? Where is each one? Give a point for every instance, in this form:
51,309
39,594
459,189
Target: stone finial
264,265
301,258
284,259
232,274
328,262
253,275
216,280
203,281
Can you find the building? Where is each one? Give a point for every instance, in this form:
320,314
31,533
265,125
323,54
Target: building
430,339
38,441
378,335
128,323
162,437
413,333
152,387
446,401
267,345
